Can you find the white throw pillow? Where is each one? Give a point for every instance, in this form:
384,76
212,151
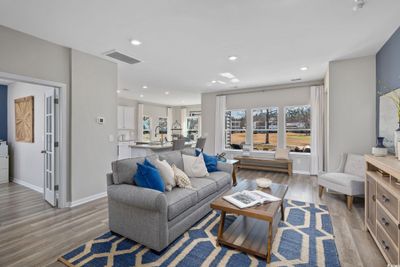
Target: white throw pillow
181,179
194,166
167,173
282,153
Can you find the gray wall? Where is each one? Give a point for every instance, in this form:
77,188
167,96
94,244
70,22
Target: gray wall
352,109
25,55
94,85
273,96
92,94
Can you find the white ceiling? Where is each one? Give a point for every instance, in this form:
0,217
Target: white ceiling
185,44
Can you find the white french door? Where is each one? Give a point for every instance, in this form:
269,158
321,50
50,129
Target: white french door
49,148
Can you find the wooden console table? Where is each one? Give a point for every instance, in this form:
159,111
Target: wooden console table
382,203
266,164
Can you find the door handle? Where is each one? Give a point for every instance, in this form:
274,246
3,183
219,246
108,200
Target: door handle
43,151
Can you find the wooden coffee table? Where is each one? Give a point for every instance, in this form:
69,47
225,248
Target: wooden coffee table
254,230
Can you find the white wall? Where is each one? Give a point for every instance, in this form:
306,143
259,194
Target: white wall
352,108
94,86
274,96
26,161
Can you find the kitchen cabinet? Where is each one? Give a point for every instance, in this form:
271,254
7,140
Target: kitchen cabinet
126,116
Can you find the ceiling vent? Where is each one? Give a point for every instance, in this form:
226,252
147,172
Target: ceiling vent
121,57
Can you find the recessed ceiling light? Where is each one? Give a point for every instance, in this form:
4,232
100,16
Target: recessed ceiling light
221,82
214,81
304,68
235,80
118,91
144,87
141,96
167,93
136,42
233,58
227,75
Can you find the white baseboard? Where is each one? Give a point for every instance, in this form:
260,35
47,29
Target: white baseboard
86,199
302,172
26,184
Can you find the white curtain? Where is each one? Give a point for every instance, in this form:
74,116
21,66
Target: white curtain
219,123
140,123
169,124
317,129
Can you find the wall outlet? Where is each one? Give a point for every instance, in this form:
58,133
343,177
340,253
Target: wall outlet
100,120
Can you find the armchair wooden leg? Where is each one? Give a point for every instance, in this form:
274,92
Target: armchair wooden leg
321,190
349,202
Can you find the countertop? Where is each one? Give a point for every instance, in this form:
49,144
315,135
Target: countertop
159,146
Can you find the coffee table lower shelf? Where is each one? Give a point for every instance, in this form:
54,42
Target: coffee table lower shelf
249,235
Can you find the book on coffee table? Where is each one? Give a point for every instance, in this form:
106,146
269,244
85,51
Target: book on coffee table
246,198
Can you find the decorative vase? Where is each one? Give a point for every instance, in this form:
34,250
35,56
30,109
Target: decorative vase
379,142
379,150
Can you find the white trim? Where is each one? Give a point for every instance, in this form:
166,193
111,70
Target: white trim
26,184
63,134
302,172
86,199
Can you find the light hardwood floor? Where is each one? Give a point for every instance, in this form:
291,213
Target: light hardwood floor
34,234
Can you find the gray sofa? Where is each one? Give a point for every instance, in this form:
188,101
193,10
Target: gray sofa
153,218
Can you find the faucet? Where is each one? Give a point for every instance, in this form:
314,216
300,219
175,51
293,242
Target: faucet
156,133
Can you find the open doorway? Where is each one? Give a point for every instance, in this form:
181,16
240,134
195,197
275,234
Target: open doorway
29,130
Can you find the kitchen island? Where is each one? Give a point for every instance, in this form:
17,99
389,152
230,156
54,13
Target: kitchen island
145,149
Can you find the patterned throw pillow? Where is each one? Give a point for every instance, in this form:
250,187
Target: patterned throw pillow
181,179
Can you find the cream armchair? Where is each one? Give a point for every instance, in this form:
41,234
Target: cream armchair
348,179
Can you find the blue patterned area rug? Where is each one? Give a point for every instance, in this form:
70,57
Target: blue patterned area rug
305,238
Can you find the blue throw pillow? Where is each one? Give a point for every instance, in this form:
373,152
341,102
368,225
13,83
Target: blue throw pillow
149,164
211,161
148,177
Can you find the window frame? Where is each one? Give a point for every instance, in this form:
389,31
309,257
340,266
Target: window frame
252,129
149,130
225,130
285,129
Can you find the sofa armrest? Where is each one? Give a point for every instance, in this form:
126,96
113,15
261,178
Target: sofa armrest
110,180
139,197
225,167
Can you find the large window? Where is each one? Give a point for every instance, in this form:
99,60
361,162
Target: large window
235,129
146,129
298,124
265,129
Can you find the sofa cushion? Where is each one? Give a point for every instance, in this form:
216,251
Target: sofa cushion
204,187
124,170
221,178
190,151
179,200
172,157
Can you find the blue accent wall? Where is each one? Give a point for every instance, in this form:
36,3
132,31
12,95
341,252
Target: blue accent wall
3,112
388,65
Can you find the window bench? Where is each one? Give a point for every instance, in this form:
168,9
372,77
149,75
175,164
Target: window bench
266,164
